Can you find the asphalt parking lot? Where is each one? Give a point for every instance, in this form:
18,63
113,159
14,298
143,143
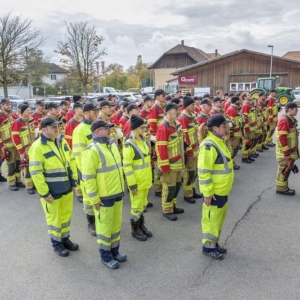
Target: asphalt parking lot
261,234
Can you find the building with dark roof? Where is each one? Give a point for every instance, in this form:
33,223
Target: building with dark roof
55,73
178,57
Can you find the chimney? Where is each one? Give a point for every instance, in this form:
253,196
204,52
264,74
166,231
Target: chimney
216,53
182,42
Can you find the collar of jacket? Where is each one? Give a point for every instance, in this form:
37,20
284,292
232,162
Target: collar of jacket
100,140
85,121
45,139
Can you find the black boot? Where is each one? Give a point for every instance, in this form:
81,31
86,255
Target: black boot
2,179
143,227
70,245
195,195
91,225
136,231
79,199
177,210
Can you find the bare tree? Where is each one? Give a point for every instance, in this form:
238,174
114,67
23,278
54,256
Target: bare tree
80,50
15,35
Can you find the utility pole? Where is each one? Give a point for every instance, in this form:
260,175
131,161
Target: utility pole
28,77
271,65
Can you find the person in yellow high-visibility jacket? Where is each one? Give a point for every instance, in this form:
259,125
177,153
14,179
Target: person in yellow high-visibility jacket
53,170
103,184
215,171
138,172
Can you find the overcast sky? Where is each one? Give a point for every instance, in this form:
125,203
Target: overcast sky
150,28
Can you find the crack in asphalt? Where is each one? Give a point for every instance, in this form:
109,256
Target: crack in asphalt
259,198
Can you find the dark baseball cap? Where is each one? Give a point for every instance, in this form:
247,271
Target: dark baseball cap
170,106
40,102
90,106
77,104
131,107
291,105
100,123
64,102
48,122
52,105
261,94
106,103
217,120
159,92
216,99
205,101
206,95
147,98
273,91
3,101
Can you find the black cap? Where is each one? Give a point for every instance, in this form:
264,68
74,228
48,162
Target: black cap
206,95
106,103
110,96
100,123
126,103
196,98
100,99
63,102
234,99
261,94
273,91
23,107
291,105
188,101
131,107
52,105
77,104
170,106
226,94
205,101
136,121
175,100
48,122
76,98
216,99
159,92
3,101
90,106
147,98
217,120
67,99
40,102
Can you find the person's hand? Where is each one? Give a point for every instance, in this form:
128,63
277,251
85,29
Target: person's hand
22,156
134,192
207,200
49,199
97,205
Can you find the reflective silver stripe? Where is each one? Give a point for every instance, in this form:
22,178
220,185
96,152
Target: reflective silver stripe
86,177
94,194
115,235
129,173
104,247
139,213
103,238
209,245
53,228
204,171
127,165
227,170
207,181
144,166
76,154
36,172
65,225
55,238
115,244
35,163
108,169
79,145
209,236
65,234
50,171
55,179
134,145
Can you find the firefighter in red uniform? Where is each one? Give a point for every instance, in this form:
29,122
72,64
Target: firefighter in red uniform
265,114
205,110
170,160
64,108
197,105
189,127
132,109
9,150
23,137
273,117
125,116
115,119
233,112
70,113
148,103
155,117
39,112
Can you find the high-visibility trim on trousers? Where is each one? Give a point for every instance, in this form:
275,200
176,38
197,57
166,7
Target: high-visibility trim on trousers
58,216
138,204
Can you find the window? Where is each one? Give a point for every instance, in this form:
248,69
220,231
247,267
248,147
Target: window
240,86
53,77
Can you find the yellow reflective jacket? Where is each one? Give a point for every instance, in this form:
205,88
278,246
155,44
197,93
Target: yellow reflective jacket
52,167
81,138
137,164
215,167
102,172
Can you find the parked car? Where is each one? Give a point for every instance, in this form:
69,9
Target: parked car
296,94
16,103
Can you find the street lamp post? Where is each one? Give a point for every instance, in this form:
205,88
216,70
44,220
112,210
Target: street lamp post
271,65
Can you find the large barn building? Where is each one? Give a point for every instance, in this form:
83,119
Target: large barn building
236,71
